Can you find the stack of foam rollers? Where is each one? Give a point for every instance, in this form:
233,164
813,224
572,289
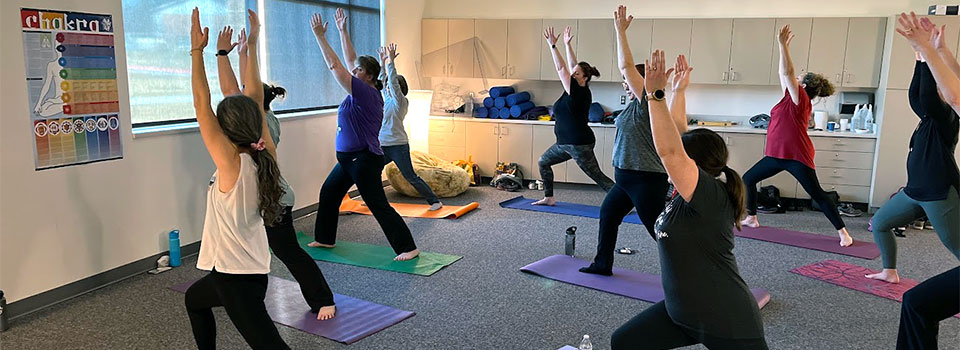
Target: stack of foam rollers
504,102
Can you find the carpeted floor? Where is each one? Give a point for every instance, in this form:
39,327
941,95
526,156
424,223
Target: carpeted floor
484,302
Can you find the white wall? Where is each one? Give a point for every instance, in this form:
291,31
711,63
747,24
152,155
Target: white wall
401,25
62,225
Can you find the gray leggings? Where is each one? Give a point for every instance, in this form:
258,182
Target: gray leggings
582,154
901,210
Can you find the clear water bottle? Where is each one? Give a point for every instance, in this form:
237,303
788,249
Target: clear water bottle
868,121
585,344
175,248
468,105
570,241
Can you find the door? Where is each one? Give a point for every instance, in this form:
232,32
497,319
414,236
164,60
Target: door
828,44
902,59
481,140
460,48
861,64
750,52
600,47
516,146
492,46
673,37
548,71
433,45
709,51
543,138
525,40
799,47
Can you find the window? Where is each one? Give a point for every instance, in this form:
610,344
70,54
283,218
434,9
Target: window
157,40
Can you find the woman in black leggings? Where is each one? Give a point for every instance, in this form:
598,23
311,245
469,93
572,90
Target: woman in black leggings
359,157
706,300
575,139
788,146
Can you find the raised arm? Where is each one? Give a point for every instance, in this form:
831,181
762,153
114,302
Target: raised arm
558,63
349,53
678,105
788,76
223,152
938,43
254,86
242,52
341,74
571,54
919,38
389,55
228,81
624,56
666,138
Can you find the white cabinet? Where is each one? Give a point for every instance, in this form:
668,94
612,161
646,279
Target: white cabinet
828,43
525,40
709,51
744,150
575,175
902,59
640,35
861,65
548,71
599,47
543,138
492,48
673,37
481,143
446,139
749,53
433,47
799,46
516,146
447,47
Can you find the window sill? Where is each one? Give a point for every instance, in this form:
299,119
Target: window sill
188,127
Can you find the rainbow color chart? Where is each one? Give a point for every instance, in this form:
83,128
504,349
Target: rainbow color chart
72,87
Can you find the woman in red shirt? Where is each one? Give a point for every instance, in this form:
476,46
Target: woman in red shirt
788,146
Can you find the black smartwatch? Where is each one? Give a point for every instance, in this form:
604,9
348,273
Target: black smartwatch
553,46
656,95
222,52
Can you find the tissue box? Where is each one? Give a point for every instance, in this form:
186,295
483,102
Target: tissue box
943,10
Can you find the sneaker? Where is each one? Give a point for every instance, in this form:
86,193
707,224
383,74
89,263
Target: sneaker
918,224
847,209
436,206
927,225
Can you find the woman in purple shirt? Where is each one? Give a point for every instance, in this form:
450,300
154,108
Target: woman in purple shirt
359,157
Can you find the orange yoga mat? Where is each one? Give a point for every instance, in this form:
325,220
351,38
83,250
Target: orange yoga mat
411,210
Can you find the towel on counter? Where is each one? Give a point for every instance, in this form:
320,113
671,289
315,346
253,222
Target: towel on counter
596,113
488,102
518,98
501,91
520,109
535,112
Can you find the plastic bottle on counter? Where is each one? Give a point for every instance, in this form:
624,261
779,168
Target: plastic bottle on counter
856,122
868,121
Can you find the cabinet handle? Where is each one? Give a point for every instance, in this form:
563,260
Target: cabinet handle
835,176
444,69
503,71
724,77
838,78
496,130
512,70
849,77
734,76
504,131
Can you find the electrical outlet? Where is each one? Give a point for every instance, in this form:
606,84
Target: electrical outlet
623,99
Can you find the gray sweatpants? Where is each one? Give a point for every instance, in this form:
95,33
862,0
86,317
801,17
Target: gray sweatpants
582,154
901,210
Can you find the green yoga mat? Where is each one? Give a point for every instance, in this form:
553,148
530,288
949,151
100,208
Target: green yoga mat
376,257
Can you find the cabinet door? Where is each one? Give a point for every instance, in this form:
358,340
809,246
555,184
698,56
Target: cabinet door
902,59
481,143
749,54
639,34
799,47
433,45
744,150
548,71
492,45
543,138
710,51
828,44
461,52
516,146
673,37
861,64
599,48
525,40
606,156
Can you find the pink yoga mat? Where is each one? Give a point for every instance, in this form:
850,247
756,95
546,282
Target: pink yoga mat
830,244
852,277
356,319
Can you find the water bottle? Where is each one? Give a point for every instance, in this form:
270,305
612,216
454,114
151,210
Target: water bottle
468,105
585,344
571,241
856,122
175,248
3,313
868,121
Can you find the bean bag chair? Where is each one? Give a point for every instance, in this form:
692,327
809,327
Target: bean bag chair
445,178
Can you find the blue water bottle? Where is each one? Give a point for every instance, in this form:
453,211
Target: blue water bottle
174,248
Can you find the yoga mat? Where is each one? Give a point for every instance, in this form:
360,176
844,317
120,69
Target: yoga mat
564,208
501,91
830,244
411,210
631,284
852,277
376,257
504,113
355,319
518,98
488,102
523,107
500,102
482,112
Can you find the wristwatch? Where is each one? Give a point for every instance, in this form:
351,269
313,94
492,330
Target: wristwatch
656,95
222,52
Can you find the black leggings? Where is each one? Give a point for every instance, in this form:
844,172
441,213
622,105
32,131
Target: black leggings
769,166
653,329
643,190
283,241
362,168
924,306
242,297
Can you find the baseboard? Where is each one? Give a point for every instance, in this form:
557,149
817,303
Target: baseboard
69,291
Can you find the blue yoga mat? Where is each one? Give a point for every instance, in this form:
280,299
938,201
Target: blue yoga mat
588,211
501,91
488,102
500,102
518,98
482,112
504,113
520,109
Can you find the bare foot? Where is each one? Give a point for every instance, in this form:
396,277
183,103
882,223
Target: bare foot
845,239
326,312
546,201
750,221
316,244
889,275
408,255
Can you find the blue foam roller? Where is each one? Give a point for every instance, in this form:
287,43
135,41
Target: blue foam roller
504,113
518,98
500,102
482,112
501,91
520,109
494,112
488,102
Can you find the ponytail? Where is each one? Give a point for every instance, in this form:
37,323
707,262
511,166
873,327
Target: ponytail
271,92
269,190
735,191
710,152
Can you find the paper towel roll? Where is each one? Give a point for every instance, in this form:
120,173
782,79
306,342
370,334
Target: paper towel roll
820,120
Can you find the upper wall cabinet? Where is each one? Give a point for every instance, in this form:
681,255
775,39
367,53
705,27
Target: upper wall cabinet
447,47
750,52
548,71
902,59
672,36
861,64
828,43
709,51
598,47
639,34
491,48
433,46
799,46
524,42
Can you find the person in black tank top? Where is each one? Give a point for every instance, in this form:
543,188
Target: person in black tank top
575,139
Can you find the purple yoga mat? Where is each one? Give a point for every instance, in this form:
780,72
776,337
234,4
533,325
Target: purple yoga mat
631,284
565,208
852,276
830,244
356,319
